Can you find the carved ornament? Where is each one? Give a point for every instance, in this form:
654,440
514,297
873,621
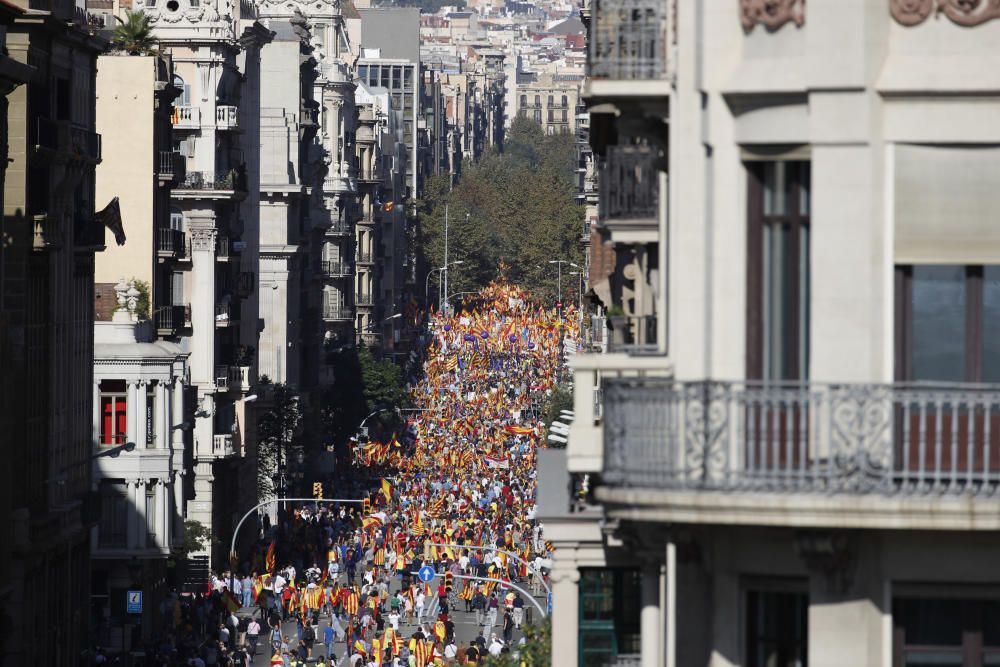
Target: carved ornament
772,14
966,13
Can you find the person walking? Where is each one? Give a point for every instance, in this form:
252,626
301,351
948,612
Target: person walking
479,605
518,610
491,611
253,636
508,626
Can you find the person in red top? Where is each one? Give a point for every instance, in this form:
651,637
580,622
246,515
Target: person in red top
443,598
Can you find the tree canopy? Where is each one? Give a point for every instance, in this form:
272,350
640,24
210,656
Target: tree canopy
133,35
513,209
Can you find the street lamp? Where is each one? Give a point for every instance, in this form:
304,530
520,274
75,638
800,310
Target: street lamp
443,269
559,263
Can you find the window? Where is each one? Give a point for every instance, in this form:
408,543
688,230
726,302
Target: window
385,75
396,77
945,632
948,323
538,101
524,101
776,628
114,415
551,103
112,532
363,72
609,615
185,98
408,78
177,288
176,220
565,102
565,118
778,271
537,116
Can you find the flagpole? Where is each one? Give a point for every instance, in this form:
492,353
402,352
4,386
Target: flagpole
445,270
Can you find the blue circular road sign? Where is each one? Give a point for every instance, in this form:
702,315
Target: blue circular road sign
426,574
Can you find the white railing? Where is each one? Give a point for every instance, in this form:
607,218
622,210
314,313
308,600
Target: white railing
227,117
222,445
186,116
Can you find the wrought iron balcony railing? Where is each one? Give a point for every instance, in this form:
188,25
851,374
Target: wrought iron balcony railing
631,333
332,312
629,184
628,39
171,166
335,269
802,438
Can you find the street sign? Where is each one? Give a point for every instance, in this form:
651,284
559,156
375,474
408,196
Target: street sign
133,602
426,574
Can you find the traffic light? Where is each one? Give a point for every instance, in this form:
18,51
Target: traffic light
317,489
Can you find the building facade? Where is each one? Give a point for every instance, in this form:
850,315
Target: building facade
47,280
797,465
208,47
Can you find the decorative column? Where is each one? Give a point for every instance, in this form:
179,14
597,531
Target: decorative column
162,515
565,581
177,415
140,416
132,413
178,508
202,358
649,615
160,413
142,522
96,414
133,521
670,604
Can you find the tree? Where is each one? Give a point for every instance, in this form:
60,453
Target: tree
197,537
516,207
382,381
133,35
276,429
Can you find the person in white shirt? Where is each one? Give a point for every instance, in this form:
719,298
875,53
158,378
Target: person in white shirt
394,619
421,598
450,651
496,646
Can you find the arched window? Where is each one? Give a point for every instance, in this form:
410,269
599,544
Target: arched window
176,219
185,98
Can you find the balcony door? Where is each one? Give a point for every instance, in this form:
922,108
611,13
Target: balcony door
777,338
948,349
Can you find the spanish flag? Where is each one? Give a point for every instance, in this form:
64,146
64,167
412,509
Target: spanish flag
359,647
387,489
388,206
269,559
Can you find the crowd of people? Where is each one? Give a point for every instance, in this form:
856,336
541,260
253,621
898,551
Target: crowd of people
454,489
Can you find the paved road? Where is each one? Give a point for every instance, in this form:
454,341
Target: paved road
465,629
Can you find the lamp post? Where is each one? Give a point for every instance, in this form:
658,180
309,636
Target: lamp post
559,263
443,270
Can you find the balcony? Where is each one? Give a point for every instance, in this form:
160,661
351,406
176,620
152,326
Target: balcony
339,229
365,258
364,301
239,378
170,319
334,313
186,118
628,53
205,184
223,445
628,202
632,334
224,315
245,282
171,243
227,118
335,269
171,166
807,455
53,139
227,249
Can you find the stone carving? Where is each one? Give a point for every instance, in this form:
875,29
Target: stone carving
772,13
966,13
203,239
969,13
911,12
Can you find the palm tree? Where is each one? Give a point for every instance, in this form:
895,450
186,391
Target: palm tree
133,35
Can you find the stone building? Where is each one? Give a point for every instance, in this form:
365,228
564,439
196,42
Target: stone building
799,463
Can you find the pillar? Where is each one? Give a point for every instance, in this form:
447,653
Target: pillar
162,514
178,508
160,414
649,616
132,539
565,582
96,414
670,605
177,415
140,415
132,413
202,358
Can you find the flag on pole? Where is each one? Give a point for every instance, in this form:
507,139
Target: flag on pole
111,217
269,559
